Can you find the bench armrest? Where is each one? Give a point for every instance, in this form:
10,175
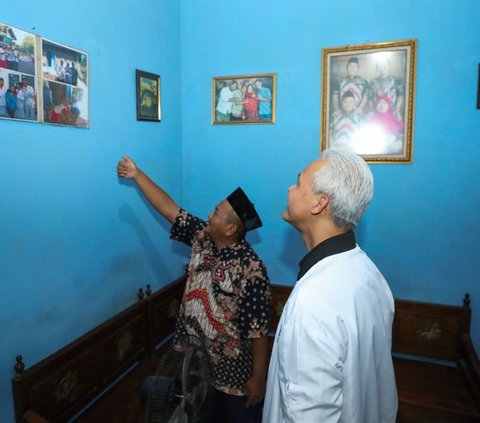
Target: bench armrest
470,364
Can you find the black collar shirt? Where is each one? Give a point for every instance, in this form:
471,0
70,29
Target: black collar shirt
329,247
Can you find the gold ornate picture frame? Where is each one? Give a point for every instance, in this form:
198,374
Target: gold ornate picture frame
368,96
244,99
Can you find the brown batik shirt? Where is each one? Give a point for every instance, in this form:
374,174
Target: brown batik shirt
226,302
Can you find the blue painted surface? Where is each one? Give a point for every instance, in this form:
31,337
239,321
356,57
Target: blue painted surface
77,243
422,228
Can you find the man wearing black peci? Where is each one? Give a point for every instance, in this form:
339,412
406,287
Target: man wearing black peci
227,298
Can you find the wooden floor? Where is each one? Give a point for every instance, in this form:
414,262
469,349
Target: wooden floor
122,404
432,393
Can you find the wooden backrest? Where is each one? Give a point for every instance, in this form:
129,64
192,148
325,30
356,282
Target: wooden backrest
430,330
419,328
163,310
280,295
62,384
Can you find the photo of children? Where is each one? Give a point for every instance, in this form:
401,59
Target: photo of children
368,99
18,98
376,88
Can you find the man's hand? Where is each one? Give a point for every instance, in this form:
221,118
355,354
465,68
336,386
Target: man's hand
255,387
126,168
156,196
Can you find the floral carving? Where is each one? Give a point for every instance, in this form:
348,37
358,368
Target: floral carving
67,387
124,345
428,332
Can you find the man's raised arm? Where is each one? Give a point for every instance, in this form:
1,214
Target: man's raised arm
157,197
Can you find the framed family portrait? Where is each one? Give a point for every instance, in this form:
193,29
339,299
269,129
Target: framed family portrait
368,94
148,96
244,99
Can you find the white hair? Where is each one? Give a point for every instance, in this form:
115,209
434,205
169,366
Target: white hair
348,183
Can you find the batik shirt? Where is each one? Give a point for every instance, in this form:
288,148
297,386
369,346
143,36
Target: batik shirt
389,86
344,125
226,302
356,85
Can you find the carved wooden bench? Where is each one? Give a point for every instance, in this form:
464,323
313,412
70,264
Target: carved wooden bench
93,379
85,372
436,367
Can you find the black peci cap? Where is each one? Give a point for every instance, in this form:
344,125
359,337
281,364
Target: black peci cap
244,209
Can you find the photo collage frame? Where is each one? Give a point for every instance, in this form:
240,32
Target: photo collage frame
41,80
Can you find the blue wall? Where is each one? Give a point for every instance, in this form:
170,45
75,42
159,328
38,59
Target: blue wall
77,243
422,228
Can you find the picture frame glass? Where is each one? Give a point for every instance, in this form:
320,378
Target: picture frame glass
148,96
368,100
65,86
18,74
42,81
244,99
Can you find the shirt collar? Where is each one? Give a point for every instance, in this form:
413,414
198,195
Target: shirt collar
329,247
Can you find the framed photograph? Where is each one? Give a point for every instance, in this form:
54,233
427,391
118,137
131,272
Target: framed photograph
64,85
41,80
148,96
18,79
478,88
368,94
244,99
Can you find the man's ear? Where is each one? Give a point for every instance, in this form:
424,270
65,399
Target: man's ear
231,229
321,202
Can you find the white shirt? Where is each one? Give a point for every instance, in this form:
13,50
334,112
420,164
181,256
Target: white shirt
3,91
20,98
331,360
224,105
29,95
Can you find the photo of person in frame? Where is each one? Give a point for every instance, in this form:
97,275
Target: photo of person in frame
64,105
367,102
148,96
148,103
17,50
64,64
18,97
244,99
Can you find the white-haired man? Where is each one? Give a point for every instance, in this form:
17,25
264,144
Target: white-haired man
331,360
